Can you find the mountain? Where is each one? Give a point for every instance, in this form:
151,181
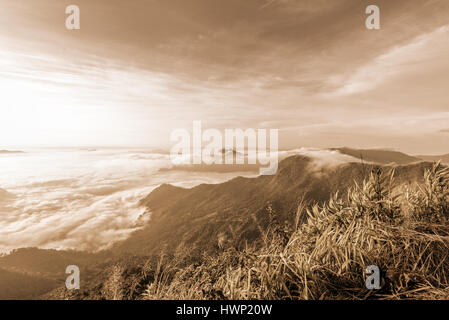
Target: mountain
443,158
238,209
219,168
196,221
31,272
239,235
3,193
46,263
378,155
15,285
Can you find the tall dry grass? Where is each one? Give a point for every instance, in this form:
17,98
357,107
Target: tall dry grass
403,230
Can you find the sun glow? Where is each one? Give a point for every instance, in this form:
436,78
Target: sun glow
71,106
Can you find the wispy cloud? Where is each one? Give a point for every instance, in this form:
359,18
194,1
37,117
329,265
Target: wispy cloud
400,59
303,64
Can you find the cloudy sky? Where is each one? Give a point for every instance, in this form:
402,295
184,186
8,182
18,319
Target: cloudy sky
138,69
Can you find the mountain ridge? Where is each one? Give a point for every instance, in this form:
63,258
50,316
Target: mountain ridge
232,207
443,158
381,156
204,217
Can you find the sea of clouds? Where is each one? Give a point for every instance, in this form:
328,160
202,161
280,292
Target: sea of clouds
89,199
82,199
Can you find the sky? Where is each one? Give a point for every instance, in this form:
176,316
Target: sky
137,70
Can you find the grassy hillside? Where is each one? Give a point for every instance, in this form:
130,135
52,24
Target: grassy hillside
308,232
319,250
207,214
403,230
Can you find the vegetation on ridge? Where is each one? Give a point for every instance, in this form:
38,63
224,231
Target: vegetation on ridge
321,252
402,229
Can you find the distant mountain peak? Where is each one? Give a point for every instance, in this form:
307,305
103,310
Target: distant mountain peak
443,158
10,151
380,156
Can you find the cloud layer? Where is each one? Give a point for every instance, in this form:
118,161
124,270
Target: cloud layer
134,72
68,199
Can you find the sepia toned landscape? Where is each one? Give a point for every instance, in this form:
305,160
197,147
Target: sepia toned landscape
224,150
